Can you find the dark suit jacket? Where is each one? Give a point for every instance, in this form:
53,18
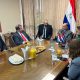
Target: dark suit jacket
17,38
49,31
2,45
68,35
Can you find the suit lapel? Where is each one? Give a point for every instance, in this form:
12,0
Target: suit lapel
19,36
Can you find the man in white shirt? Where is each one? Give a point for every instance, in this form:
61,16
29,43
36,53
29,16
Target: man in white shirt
20,35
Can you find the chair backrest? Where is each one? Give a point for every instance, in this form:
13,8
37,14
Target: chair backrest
11,41
6,37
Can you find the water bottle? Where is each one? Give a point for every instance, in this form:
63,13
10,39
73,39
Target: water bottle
51,43
66,48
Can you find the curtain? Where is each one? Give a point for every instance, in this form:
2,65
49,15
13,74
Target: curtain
53,10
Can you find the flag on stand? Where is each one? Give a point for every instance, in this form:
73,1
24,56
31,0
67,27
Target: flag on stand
70,16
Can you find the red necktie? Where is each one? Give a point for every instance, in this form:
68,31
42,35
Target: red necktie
23,37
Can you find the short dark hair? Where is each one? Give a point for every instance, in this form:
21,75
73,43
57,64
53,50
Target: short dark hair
18,27
74,48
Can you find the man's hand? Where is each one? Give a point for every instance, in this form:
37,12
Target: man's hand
24,42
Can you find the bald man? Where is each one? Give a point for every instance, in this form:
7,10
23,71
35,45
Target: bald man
45,31
64,34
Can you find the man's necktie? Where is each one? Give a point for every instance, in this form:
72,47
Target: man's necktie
44,32
23,37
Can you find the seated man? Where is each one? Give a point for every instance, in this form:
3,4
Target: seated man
64,34
20,37
45,31
2,45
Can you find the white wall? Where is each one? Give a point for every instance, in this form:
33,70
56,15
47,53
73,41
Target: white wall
9,15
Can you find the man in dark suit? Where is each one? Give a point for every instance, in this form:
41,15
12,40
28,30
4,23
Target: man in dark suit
20,36
45,31
2,45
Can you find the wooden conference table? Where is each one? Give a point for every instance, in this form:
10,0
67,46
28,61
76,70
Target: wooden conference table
40,68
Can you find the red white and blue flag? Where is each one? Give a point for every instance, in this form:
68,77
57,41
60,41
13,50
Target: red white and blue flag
70,16
60,37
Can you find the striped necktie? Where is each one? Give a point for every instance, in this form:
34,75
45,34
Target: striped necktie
23,37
